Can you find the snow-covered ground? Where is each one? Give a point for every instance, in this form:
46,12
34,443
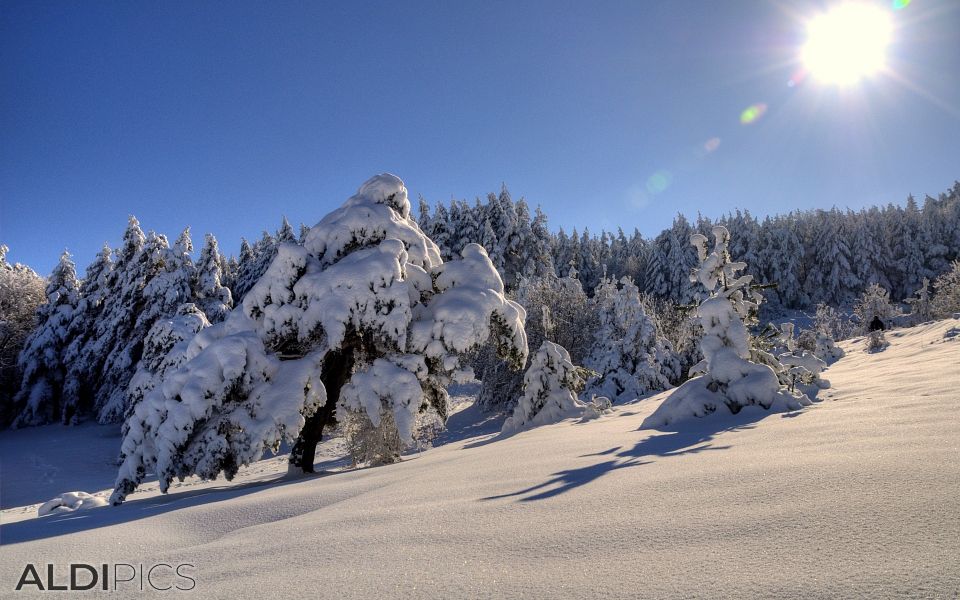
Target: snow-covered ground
857,496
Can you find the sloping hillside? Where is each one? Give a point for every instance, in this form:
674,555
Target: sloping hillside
858,496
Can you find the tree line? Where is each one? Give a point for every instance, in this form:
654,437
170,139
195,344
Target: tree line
69,347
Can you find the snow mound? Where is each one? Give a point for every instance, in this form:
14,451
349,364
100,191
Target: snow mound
69,502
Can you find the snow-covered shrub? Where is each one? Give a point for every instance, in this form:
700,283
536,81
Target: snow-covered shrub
874,304
807,340
41,361
829,321
728,377
820,345
794,364
630,359
364,315
876,341
827,350
921,309
550,388
69,502
946,295
802,367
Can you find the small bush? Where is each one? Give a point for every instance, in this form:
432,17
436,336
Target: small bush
369,444
876,341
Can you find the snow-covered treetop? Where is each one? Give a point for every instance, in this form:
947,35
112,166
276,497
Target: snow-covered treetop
379,210
367,267
718,273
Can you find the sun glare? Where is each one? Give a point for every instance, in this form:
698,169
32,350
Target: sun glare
847,43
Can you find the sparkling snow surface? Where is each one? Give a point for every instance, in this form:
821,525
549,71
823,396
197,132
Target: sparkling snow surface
856,496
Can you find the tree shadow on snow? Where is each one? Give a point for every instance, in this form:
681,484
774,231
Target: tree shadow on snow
468,423
141,508
692,436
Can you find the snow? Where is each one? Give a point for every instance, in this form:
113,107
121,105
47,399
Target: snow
69,502
856,496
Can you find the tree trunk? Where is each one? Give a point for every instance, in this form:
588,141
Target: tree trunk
337,368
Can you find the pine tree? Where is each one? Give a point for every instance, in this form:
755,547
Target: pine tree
630,359
212,297
41,360
95,289
550,388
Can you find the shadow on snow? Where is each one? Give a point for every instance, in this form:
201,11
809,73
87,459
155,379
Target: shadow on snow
691,436
134,509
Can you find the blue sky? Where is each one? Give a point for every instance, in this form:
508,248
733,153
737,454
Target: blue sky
225,116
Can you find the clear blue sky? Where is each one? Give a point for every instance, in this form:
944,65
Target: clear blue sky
225,116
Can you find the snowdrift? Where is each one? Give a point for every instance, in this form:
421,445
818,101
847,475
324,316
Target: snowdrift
856,496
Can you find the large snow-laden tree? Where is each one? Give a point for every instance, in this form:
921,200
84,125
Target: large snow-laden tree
363,316
630,359
727,378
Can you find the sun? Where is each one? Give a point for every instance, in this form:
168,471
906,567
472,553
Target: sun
847,43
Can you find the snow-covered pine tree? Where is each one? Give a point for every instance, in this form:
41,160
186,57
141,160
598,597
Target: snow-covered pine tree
253,268
211,296
41,360
363,317
628,356
440,231
77,388
130,312
466,225
550,388
170,279
728,377
537,253
285,234
869,254
831,278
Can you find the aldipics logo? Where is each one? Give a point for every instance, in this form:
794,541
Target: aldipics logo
117,577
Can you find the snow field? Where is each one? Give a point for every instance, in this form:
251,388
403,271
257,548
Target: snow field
856,496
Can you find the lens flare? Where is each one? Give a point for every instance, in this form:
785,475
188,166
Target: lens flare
711,145
847,43
753,113
797,78
900,4
659,182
